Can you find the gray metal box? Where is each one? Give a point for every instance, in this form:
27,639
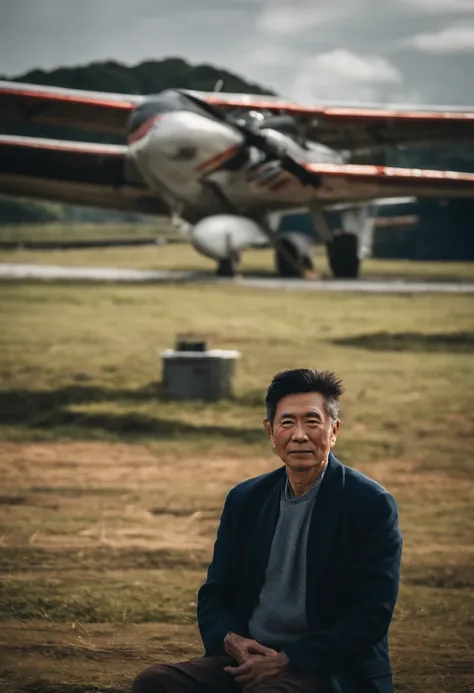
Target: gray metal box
203,375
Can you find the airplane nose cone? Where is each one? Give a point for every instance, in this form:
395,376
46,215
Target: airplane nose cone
173,137
182,147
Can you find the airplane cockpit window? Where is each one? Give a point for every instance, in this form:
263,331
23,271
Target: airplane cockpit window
166,102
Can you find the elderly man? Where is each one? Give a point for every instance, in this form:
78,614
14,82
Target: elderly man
303,582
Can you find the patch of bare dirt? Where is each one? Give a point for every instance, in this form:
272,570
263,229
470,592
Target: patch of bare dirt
102,643
45,657
92,464
407,475
87,495
89,465
116,496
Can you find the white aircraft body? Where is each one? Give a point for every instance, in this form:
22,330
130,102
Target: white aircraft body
225,164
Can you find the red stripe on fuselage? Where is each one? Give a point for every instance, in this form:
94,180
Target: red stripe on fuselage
217,159
144,129
281,183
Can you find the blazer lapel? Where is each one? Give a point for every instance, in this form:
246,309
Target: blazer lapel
324,522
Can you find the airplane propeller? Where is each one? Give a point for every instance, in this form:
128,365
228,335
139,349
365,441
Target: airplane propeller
254,138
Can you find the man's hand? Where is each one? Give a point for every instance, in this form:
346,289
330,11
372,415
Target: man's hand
241,649
257,669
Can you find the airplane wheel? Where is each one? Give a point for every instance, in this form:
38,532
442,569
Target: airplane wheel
228,267
343,256
298,249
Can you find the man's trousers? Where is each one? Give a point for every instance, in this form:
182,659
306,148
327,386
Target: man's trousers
207,675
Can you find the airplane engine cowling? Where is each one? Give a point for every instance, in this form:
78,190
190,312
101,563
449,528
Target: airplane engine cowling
224,235
298,246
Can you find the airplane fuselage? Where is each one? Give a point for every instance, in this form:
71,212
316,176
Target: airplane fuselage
184,155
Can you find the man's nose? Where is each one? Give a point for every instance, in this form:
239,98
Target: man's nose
299,434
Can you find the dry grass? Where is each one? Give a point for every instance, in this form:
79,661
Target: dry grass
120,548
60,231
111,493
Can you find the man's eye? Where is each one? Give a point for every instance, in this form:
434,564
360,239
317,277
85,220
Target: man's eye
286,422
313,422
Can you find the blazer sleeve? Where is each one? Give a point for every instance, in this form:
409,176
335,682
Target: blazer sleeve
377,575
216,611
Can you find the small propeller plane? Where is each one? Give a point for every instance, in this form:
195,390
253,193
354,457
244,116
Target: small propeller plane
224,163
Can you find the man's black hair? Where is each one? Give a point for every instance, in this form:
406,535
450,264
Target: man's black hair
299,380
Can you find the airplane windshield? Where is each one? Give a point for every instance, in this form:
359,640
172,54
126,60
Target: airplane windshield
167,102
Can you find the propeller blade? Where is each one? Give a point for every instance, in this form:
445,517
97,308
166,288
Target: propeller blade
254,138
216,112
257,140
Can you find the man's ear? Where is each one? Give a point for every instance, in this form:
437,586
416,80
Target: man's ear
334,432
268,428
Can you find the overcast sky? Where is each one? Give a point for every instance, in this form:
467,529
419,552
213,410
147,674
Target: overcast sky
411,51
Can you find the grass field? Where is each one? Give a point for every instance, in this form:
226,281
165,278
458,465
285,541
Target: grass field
110,494
59,231
182,256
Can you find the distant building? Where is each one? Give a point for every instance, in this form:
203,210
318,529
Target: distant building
443,231
413,230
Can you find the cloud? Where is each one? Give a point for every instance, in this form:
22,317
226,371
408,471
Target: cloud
306,50
446,7
269,56
280,18
451,40
344,65
343,76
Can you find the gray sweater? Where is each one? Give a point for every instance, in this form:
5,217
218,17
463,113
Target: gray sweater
280,614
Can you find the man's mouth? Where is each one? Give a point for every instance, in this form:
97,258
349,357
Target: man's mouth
301,452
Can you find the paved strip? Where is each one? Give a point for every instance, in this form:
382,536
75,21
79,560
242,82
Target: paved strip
113,274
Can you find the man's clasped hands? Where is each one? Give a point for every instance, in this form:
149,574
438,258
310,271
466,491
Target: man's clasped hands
255,662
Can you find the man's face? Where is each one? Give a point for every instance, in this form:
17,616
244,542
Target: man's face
302,433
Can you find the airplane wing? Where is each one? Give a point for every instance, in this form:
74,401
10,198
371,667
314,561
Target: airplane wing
75,173
341,127
358,183
98,111
358,127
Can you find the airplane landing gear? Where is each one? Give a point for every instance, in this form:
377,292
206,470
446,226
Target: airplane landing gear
229,267
343,256
293,256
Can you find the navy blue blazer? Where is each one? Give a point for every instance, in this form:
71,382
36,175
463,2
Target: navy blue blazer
353,570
